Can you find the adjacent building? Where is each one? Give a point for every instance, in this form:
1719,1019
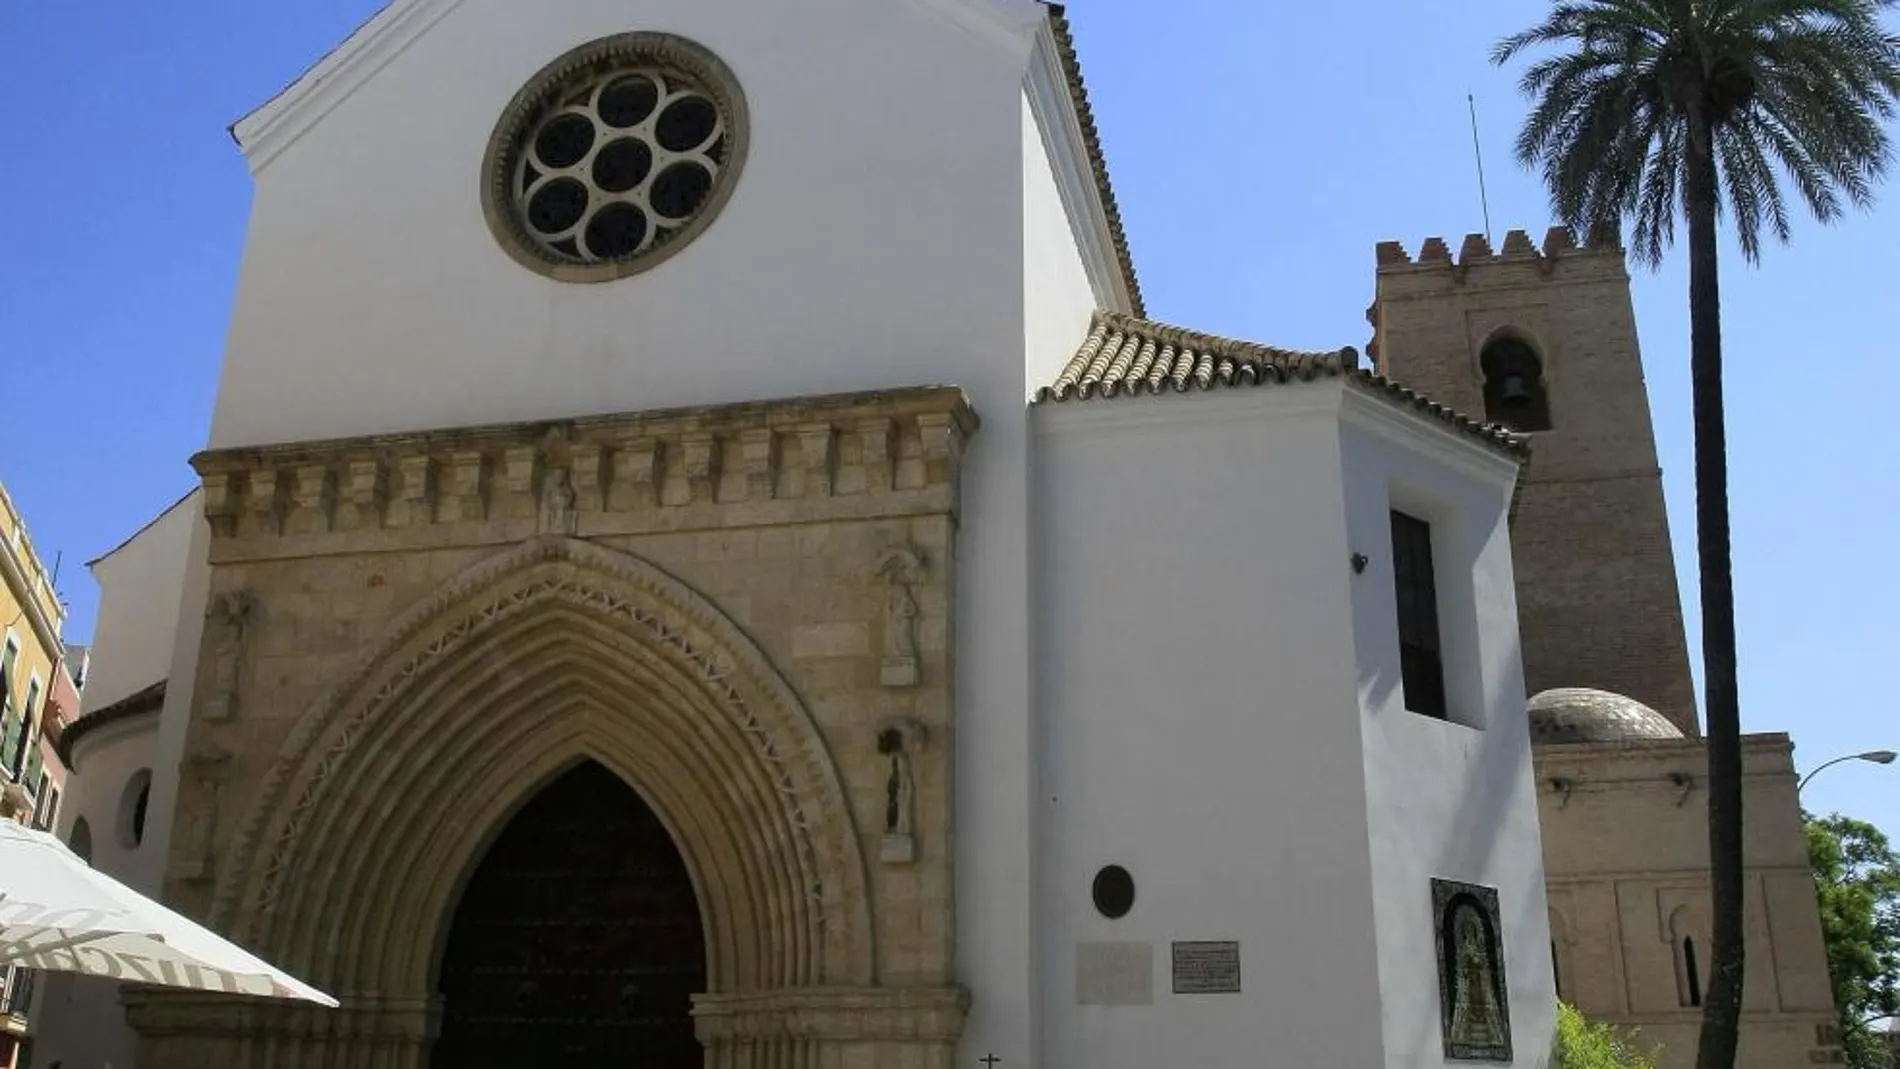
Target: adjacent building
37,699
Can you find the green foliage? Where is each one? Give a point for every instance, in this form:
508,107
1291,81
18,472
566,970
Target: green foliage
1857,878
1586,1044
1800,88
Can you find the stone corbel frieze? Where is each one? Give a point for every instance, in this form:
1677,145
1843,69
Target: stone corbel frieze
855,456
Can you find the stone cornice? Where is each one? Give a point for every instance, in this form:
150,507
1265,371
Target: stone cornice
1769,753
852,456
928,1014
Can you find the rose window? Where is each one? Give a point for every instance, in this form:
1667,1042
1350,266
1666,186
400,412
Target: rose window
615,154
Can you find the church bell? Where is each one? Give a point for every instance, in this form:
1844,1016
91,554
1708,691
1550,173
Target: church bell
1516,391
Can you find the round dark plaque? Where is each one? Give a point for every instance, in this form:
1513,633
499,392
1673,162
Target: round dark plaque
1114,892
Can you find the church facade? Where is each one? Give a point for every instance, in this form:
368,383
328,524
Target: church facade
694,573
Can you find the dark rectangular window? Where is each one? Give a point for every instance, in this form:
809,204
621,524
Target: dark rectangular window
1421,667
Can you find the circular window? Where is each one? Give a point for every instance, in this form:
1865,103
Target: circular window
614,157
132,805
1114,892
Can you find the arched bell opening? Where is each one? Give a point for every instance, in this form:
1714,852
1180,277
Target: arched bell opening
1514,391
576,939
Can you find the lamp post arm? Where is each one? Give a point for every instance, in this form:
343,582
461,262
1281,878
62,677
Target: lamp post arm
1799,787
1878,757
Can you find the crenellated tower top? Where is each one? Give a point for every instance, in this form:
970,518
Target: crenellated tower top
1543,339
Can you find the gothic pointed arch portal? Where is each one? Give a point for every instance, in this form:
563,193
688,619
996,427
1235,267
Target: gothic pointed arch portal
577,939
551,652
556,654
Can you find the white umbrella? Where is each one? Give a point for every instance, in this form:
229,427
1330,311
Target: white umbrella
58,913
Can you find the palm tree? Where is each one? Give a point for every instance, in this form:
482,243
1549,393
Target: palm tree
1647,107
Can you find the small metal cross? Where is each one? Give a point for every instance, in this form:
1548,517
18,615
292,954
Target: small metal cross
989,1061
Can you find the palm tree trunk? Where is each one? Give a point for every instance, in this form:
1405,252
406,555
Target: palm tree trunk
1722,1004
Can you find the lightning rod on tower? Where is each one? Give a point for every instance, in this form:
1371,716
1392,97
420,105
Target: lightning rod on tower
1484,199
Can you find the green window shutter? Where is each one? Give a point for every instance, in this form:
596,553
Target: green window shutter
33,768
11,739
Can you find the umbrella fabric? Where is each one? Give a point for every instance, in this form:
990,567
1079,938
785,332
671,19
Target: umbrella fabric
58,913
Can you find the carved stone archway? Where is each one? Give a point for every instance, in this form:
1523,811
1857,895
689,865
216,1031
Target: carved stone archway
393,783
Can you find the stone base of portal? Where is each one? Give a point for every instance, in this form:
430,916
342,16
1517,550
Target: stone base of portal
794,1028
833,1028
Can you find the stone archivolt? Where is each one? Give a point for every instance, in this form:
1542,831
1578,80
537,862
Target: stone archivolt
356,831
582,653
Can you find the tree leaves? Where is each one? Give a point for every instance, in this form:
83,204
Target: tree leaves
1857,879
1585,1044
1794,91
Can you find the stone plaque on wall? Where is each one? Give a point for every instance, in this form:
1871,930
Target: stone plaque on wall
1115,974
1206,968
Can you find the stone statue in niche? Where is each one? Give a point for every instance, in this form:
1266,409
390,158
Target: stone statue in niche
229,616
898,741
903,570
1474,1000
205,772
557,503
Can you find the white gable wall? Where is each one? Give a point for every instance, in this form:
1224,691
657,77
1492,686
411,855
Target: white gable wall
1454,801
1197,725
139,586
872,240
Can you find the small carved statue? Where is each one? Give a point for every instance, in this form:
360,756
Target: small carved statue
903,569
230,616
900,740
557,503
203,787
899,787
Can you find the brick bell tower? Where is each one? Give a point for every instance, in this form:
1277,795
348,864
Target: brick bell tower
1545,341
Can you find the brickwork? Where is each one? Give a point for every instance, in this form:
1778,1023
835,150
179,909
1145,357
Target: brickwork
1620,903
1596,584
741,610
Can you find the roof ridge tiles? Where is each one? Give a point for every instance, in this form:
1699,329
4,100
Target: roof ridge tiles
1127,356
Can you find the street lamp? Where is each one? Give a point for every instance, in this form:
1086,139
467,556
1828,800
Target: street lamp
1878,757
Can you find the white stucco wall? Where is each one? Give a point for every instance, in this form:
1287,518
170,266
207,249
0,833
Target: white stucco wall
1448,800
139,584
1211,717
1197,727
1058,299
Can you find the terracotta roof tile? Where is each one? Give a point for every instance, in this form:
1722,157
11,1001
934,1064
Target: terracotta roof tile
1072,64
1127,356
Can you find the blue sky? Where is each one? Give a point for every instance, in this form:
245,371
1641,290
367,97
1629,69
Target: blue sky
1259,150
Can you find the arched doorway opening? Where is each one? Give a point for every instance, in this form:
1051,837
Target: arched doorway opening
577,940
